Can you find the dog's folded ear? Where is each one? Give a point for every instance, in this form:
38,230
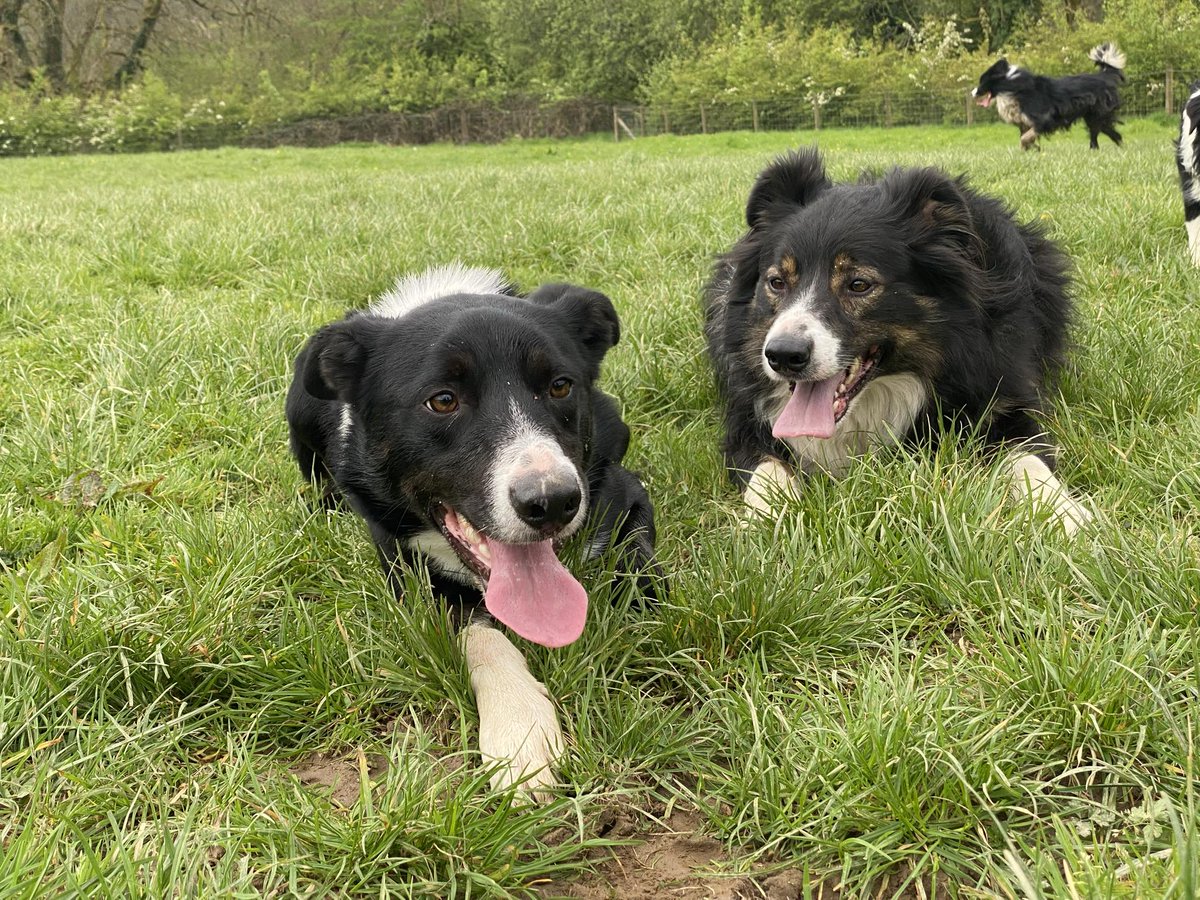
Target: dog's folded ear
590,317
933,211
933,206
794,179
333,362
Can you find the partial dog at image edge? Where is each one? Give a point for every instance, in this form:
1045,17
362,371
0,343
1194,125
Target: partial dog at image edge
462,421
854,316
1040,104
1187,158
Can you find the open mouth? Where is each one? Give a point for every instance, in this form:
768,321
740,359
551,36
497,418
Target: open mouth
984,100
467,542
524,585
815,407
854,379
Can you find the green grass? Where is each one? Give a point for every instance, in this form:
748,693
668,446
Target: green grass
908,674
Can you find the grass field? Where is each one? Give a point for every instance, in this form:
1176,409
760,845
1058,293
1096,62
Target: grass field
909,686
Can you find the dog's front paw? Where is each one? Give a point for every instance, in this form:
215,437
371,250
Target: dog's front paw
518,724
769,485
520,734
1032,479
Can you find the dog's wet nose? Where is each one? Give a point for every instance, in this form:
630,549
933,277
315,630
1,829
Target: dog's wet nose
789,354
545,503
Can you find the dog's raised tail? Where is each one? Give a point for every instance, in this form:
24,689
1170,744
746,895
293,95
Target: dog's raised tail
1108,56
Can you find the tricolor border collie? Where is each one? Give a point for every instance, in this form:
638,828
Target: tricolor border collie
851,316
1039,104
1187,157
463,423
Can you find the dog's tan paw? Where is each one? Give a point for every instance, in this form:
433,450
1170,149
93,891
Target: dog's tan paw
518,724
1031,478
769,485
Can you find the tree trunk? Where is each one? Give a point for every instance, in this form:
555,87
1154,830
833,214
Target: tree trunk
10,37
53,36
132,64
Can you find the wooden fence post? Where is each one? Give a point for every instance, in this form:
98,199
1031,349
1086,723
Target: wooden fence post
970,110
616,127
754,112
703,120
1169,91
816,116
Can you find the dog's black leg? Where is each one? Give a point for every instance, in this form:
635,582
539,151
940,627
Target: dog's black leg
626,519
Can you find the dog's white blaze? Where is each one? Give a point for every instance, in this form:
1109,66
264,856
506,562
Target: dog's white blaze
1013,71
413,291
799,319
433,544
1031,478
527,447
879,416
518,725
345,422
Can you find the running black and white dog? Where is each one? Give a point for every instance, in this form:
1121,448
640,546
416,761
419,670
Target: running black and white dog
851,316
463,423
1187,157
1038,104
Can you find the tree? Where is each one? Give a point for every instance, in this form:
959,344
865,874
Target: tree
86,45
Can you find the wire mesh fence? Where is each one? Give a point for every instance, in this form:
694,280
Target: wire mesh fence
838,107
850,108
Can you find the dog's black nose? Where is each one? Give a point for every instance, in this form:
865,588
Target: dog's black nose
789,355
546,504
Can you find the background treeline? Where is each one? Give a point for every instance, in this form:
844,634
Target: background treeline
117,74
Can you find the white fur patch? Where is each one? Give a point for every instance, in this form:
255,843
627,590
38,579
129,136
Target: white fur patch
879,416
1187,152
525,448
518,725
771,480
1109,54
1193,233
346,422
1013,71
798,319
433,544
1009,110
413,291
1031,478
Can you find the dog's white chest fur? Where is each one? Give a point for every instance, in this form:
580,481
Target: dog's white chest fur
1010,110
880,416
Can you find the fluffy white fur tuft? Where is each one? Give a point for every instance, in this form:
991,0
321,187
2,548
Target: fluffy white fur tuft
1109,54
412,291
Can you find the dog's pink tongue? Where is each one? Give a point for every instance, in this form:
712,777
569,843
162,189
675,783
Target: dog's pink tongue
985,101
809,411
532,593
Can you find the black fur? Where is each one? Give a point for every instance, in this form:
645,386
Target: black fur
1187,159
963,299
399,462
1039,104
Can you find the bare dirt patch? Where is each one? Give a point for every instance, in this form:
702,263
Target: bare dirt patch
339,777
672,857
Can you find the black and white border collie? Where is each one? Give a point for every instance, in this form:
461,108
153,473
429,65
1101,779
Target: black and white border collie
1038,104
852,316
1187,157
463,423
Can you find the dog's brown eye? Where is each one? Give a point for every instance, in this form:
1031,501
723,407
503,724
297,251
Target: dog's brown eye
776,283
560,388
443,402
859,286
